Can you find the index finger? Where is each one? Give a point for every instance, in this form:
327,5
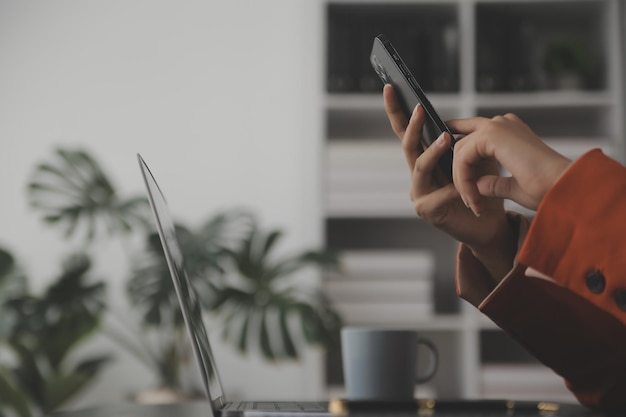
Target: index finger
466,126
466,156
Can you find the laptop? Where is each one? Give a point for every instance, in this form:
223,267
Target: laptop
192,315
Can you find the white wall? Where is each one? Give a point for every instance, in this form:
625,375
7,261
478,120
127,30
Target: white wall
220,97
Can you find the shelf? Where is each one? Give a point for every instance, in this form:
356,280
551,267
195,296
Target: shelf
553,98
370,178
539,99
370,208
441,323
576,122
523,382
374,101
426,34
529,46
434,323
495,64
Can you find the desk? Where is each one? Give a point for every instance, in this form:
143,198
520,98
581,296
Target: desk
189,409
202,409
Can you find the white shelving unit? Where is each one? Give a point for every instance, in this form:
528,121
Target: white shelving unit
366,180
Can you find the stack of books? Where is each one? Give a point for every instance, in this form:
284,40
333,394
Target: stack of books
383,287
369,179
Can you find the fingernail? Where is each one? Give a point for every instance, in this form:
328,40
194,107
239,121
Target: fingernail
475,211
441,139
417,107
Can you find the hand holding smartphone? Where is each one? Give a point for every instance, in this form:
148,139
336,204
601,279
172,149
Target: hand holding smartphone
392,70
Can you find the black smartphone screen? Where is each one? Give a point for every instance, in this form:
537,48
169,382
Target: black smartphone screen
391,69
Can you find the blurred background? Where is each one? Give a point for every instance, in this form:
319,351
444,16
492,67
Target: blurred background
269,109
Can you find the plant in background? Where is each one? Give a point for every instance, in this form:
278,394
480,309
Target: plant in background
228,259
73,190
258,298
42,335
568,62
12,284
150,288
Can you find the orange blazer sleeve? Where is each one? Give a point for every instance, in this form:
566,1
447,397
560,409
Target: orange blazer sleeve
565,299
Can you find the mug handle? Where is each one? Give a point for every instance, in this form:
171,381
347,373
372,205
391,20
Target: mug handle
434,360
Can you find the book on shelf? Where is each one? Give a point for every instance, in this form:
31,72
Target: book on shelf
383,287
367,264
367,179
383,314
369,204
381,291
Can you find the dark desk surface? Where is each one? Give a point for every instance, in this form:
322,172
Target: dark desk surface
190,409
202,409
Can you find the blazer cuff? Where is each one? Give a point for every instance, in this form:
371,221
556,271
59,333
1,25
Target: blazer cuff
578,235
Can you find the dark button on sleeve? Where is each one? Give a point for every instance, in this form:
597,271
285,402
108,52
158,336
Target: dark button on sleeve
595,282
620,299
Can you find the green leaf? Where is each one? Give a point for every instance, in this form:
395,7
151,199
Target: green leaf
264,337
288,345
27,374
270,242
73,190
11,396
60,388
12,285
227,229
7,262
242,344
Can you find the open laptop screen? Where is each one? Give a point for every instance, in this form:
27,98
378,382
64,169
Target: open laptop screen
185,292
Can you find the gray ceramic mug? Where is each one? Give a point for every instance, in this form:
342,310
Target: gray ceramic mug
381,364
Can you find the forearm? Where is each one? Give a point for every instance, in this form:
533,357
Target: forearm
498,255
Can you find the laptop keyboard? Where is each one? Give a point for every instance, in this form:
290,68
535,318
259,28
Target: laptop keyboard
282,406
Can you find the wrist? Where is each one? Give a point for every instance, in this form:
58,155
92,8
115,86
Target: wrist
498,253
553,171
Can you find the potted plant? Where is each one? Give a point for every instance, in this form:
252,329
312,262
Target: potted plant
42,332
150,288
258,296
568,63
229,259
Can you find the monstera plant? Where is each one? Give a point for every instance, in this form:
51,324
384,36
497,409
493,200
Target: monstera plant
73,191
41,332
230,260
150,288
258,298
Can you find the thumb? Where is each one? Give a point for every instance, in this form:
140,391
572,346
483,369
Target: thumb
497,186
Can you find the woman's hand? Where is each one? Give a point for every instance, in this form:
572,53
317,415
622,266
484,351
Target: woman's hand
488,236
533,165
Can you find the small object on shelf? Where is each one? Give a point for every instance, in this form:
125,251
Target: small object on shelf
568,63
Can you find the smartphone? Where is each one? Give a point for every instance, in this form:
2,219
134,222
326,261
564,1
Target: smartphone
392,70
